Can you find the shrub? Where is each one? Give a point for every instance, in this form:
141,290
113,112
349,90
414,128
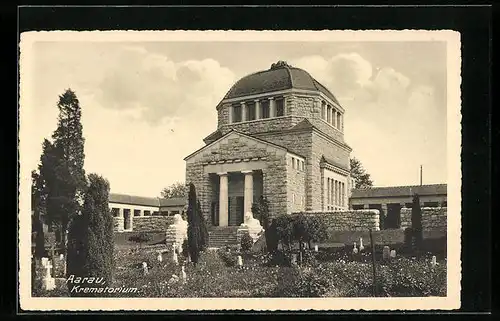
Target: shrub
299,282
246,242
140,238
284,230
92,255
228,257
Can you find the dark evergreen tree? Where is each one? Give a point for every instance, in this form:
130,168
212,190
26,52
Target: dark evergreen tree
203,240
37,204
193,225
91,237
62,166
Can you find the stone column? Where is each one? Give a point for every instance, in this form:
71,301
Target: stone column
223,200
230,113
328,113
248,194
120,212
323,107
272,107
334,117
257,109
244,114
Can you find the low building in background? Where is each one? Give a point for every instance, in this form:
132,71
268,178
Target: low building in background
390,200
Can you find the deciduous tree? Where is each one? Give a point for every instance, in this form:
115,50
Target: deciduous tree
177,189
358,173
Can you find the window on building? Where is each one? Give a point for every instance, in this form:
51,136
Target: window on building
251,110
147,213
115,211
136,212
431,204
280,107
358,207
328,114
323,110
237,113
293,162
174,212
444,204
265,108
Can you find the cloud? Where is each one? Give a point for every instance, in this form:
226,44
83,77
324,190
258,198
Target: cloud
389,118
161,88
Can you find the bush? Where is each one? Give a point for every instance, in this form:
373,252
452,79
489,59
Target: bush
246,242
228,257
299,282
142,237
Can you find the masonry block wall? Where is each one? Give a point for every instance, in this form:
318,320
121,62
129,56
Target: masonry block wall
352,220
433,218
144,223
296,179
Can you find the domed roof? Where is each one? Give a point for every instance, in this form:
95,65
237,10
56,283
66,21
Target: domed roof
280,76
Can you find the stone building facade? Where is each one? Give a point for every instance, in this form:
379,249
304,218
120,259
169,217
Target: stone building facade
395,202
280,134
136,213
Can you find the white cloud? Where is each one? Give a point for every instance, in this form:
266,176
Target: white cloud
142,113
388,120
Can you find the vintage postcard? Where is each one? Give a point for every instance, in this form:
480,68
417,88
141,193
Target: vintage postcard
240,170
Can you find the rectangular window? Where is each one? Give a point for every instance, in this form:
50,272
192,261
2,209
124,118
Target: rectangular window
328,191
323,110
431,204
328,114
236,113
280,107
358,207
251,110
265,108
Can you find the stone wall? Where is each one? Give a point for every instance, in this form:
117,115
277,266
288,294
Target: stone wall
296,182
274,176
262,125
352,220
433,218
322,146
118,223
152,223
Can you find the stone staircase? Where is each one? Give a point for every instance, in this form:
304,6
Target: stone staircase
221,236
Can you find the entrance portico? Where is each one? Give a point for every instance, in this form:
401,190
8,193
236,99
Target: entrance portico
236,194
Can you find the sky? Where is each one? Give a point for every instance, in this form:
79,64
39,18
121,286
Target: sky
147,105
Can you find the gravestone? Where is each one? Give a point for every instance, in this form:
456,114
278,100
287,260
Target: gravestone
386,253
145,270
159,257
361,246
175,259
354,249
183,274
294,259
48,281
433,261
240,261
393,253
316,248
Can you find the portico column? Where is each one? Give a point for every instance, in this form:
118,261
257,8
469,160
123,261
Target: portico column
272,107
248,194
244,113
257,109
334,118
223,200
